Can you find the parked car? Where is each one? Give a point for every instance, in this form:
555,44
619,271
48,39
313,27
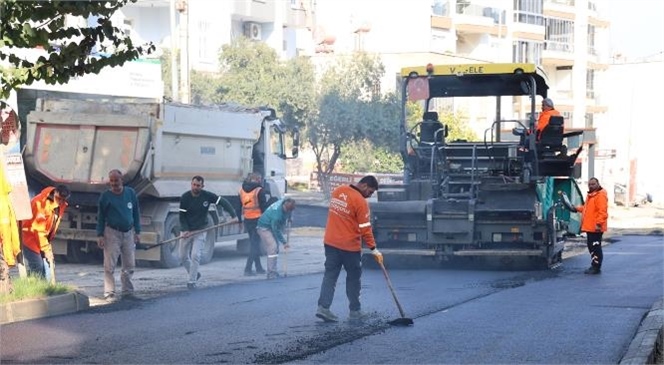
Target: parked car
620,197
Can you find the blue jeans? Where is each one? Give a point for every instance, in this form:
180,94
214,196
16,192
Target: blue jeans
37,265
352,263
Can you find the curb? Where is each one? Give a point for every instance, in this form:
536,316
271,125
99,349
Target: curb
648,337
43,307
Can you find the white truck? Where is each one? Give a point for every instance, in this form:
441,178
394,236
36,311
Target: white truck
76,139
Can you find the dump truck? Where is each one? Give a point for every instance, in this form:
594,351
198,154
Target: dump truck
76,139
492,202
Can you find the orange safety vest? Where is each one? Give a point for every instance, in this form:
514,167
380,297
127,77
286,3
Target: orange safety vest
251,209
38,232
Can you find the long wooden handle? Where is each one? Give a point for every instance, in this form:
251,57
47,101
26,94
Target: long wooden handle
394,295
191,233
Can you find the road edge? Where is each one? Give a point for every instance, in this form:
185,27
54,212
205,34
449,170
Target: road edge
644,345
55,305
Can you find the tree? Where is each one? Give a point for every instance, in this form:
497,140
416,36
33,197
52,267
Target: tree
253,75
457,124
350,109
68,51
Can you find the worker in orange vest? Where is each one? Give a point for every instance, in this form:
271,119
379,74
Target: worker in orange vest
548,111
254,203
48,208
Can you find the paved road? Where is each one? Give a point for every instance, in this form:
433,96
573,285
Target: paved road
559,316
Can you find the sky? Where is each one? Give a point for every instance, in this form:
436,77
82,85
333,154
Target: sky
637,26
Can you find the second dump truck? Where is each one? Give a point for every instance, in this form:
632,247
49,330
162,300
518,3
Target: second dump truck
76,139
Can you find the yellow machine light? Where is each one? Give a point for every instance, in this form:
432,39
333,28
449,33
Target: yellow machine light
514,229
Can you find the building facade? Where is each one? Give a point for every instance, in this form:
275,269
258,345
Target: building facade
568,38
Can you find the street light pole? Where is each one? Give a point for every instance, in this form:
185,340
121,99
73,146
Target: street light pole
183,7
174,62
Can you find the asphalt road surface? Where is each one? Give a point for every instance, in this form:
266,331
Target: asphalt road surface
558,316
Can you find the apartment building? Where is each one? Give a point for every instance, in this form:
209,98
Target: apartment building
568,38
203,26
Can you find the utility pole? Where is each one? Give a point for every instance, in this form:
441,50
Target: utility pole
174,58
183,8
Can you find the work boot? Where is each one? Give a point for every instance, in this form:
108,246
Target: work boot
357,315
593,270
273,275
260,270
110,297
249,273
191,285
326,314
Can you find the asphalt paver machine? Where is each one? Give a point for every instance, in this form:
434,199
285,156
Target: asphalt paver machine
488,202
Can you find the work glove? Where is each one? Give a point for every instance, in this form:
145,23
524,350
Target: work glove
377,256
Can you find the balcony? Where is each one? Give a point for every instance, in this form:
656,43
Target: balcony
595,17
563,9
558,53
254,10
440,15
299,16
528,26
479,19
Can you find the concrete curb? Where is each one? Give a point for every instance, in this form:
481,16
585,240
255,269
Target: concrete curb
643,347
44,307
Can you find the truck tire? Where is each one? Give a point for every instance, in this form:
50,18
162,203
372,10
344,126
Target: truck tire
74,253
170,256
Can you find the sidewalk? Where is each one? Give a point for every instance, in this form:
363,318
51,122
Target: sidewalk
305,256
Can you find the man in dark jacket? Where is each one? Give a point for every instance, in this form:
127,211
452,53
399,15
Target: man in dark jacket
254,203
194,210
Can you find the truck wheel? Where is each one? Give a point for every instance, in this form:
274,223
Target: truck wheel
170,256
208,250
74,253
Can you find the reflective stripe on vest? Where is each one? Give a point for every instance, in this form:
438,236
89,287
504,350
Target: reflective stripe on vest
250,207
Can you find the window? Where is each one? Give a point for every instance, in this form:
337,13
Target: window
559,35
440,8
590,84
204,52
591,40
527,52
529,11
277,141
590,120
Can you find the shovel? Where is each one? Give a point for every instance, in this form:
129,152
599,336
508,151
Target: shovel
288,229
141,246
403,321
